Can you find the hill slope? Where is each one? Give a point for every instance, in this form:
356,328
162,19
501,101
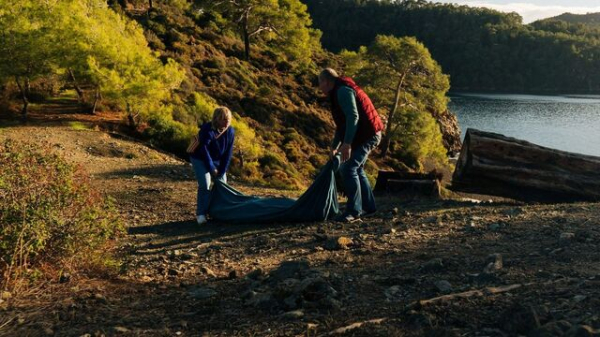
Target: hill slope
592,19
280,102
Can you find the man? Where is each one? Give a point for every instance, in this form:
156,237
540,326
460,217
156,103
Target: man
358,132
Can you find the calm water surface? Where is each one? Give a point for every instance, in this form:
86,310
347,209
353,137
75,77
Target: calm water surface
570,123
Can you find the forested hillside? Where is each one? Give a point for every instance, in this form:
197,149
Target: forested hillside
591,19
165,65
481,49
270,84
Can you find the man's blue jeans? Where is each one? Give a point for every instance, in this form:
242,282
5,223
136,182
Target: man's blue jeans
356,184
204,181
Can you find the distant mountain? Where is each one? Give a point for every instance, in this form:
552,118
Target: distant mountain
588,19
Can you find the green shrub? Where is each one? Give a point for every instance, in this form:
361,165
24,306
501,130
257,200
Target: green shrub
271,160
169,134
419,140
291,135
215,63
49,213
264,91
203,107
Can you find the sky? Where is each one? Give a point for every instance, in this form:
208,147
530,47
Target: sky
532,10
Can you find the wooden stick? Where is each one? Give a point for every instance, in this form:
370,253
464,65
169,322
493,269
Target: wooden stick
470,293
355,326
6,323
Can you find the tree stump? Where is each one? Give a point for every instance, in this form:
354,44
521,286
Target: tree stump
408,184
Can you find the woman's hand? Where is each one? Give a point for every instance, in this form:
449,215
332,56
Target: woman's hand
332,153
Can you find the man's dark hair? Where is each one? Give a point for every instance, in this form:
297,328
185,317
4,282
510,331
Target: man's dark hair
329,74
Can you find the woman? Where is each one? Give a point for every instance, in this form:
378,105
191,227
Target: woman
211,157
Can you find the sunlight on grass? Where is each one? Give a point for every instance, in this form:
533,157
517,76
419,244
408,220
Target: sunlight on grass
78,126
68,94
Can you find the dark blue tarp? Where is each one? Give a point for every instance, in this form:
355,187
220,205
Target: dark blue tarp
318,203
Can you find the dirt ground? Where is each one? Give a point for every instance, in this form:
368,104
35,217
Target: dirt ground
417,268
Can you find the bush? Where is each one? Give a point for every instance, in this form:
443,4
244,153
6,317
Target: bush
169,134
49,214
419,140
202,107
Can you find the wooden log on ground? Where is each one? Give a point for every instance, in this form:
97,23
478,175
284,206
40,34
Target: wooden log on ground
408,184
423,187
494,164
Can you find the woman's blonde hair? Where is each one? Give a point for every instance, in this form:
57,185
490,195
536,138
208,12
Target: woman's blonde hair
221,113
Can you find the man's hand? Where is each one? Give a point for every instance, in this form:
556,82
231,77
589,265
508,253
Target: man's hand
215,173
346,151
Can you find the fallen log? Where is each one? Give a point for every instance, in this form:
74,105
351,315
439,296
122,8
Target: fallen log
408,184
494,164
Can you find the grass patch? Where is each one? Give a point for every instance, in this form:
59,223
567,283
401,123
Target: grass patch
79,126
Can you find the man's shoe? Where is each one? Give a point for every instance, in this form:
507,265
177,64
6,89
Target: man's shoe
347,218
201,219
368,214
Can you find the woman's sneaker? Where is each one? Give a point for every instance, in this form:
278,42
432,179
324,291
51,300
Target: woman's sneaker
347,218
201,219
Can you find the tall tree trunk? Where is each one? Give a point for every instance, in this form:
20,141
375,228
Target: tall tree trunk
80,97
96,100
241,155
27,86
22,89
387,138
150,5
246,36
131,117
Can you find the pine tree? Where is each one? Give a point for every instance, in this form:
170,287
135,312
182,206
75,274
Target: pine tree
283,25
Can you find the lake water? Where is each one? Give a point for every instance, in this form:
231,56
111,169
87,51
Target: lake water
570,123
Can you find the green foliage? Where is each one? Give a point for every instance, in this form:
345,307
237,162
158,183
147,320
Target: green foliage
154,75
49,212
169,134
402,79
589,20
26,51
421,140
78,126
203,107
126,69
91,41
278,172
481,49
247,147
280,25
268,94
